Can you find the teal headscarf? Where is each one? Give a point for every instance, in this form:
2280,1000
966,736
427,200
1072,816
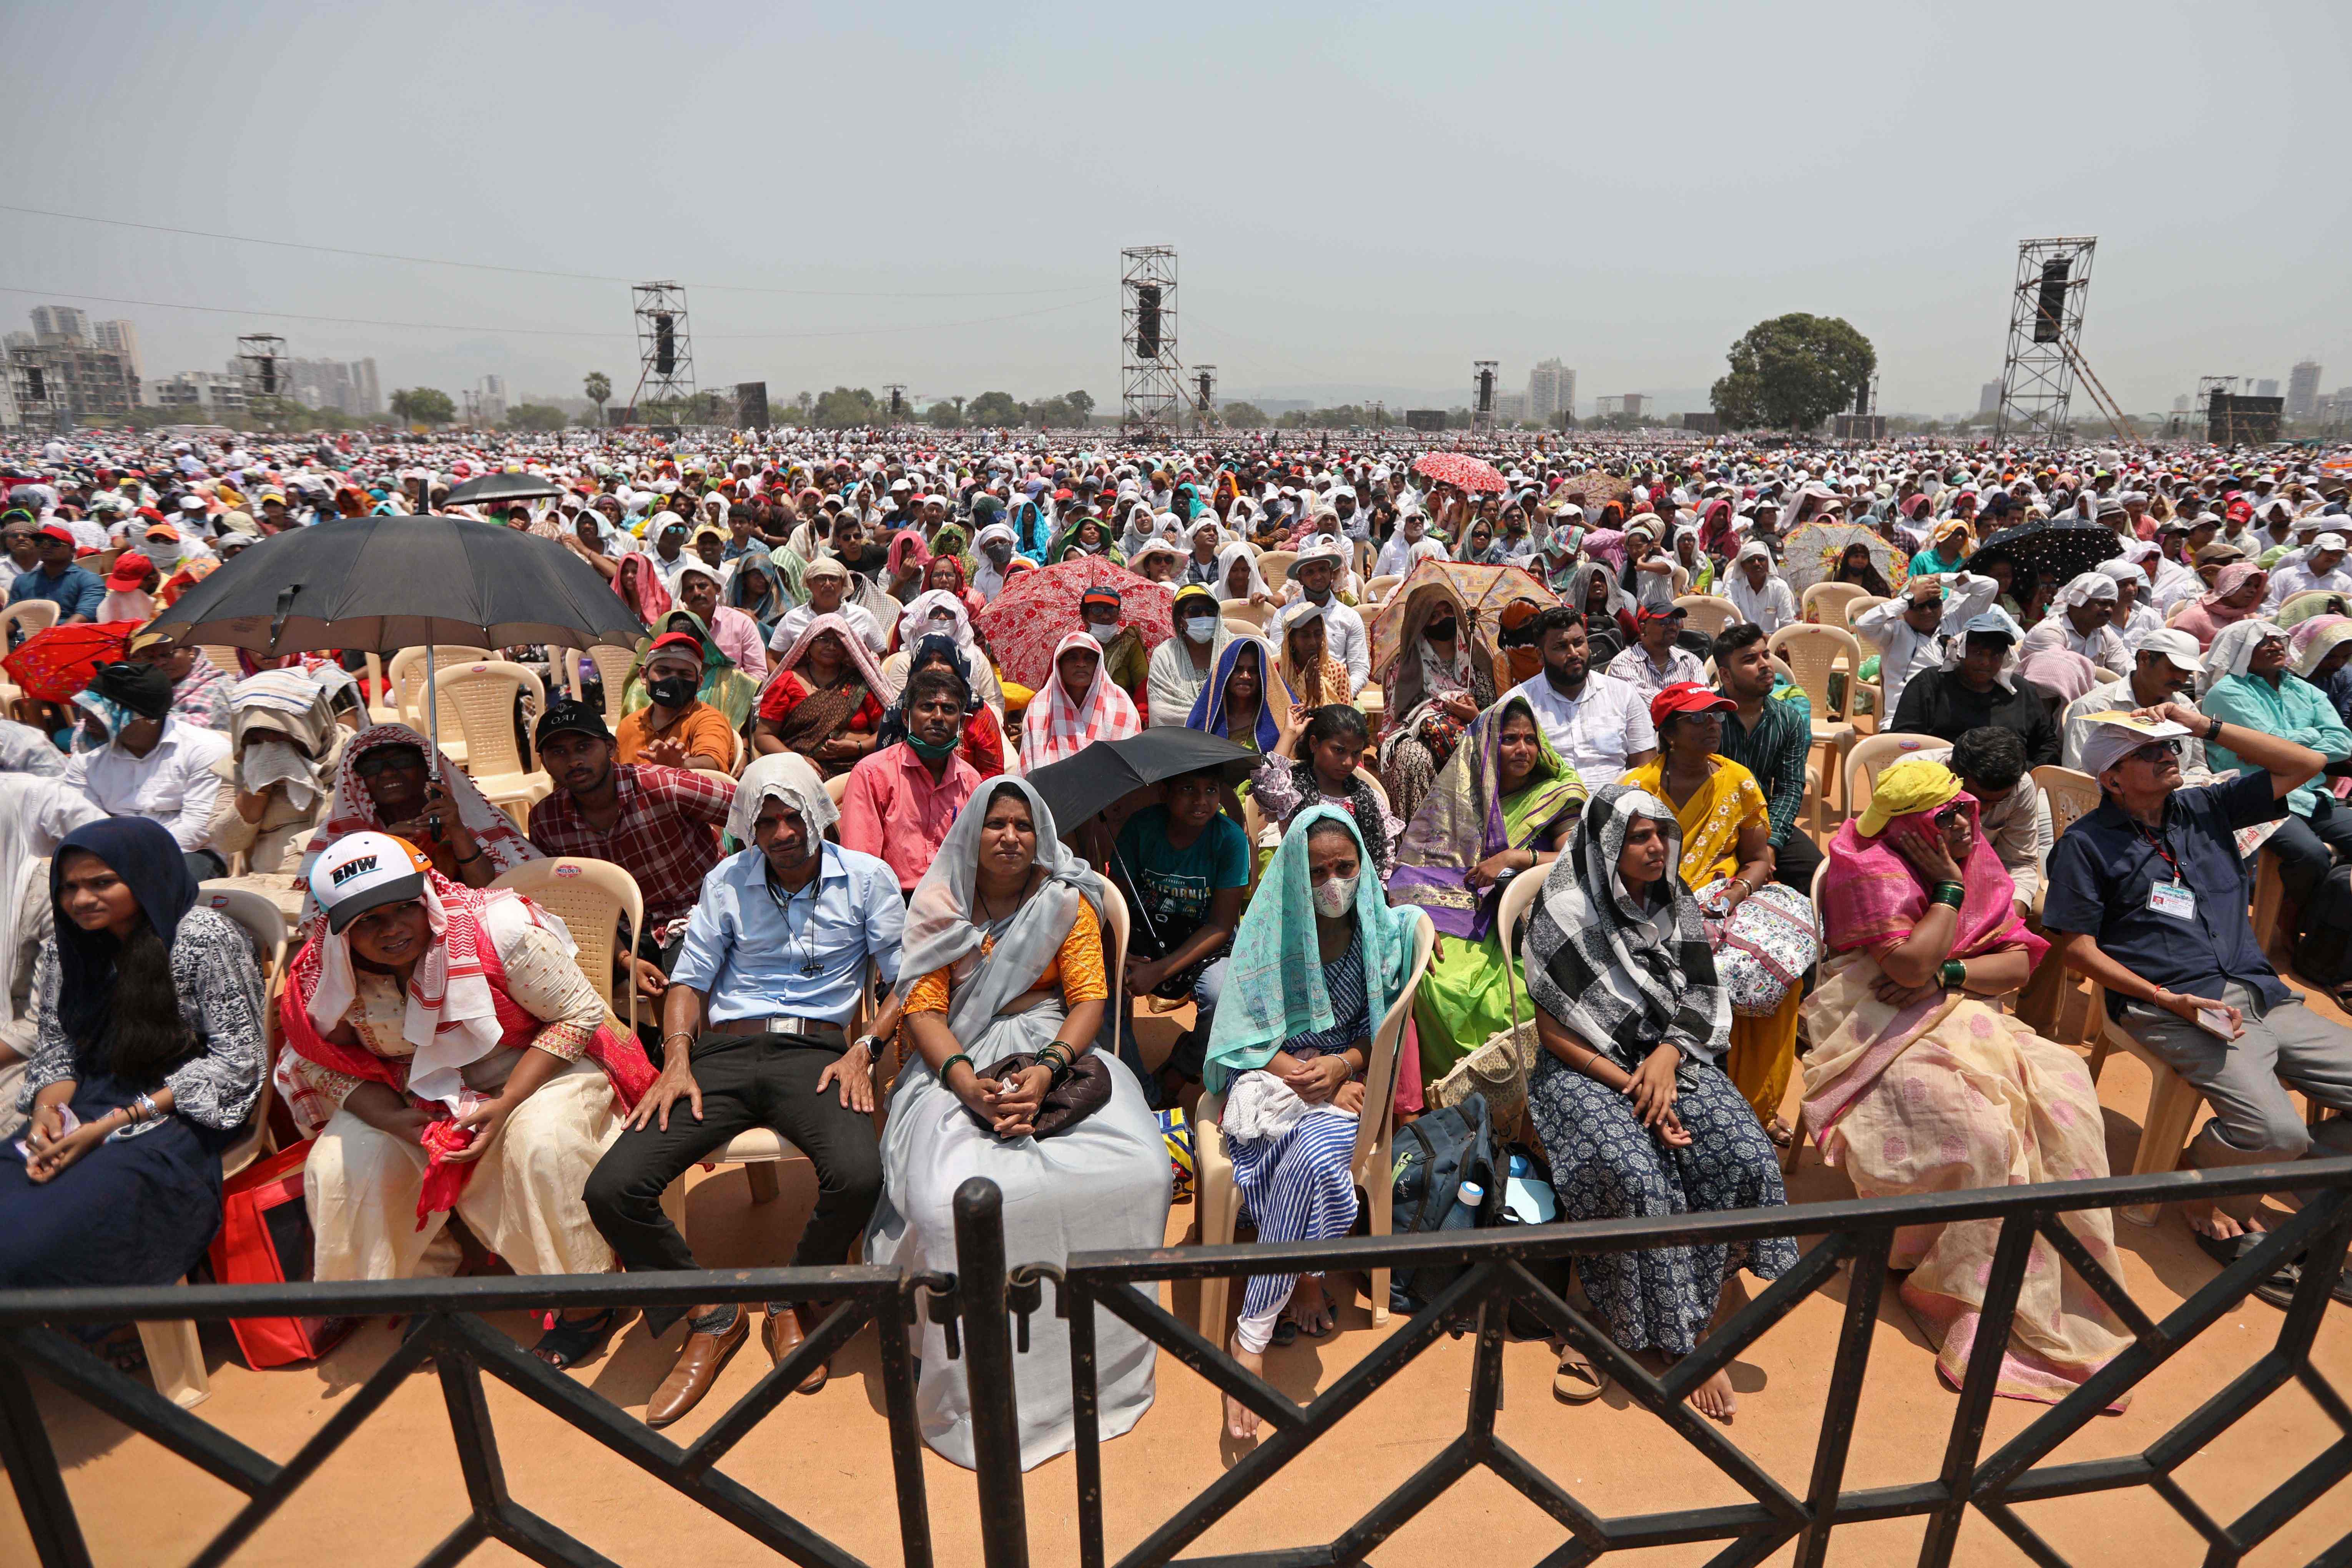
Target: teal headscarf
1274,983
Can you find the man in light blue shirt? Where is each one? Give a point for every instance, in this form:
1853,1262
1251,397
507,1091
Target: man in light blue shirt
773,963
2255,690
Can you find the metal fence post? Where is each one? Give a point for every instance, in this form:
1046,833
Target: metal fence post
987,1370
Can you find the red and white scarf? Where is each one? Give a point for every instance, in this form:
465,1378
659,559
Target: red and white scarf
1055,727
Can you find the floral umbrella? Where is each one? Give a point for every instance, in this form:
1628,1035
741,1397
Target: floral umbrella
1037,609
1481,591
1460,470
52,665
1810,555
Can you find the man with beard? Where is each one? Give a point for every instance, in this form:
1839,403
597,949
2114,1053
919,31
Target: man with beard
1599,725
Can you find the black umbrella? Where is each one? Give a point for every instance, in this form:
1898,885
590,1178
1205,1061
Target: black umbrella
1075,788
2057,551
382,583
493,488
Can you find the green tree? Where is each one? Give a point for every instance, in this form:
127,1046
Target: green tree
599,388
422,406
536,417
845,407
1791,372
1082,404
1243,415
1051,414
946,413
993,408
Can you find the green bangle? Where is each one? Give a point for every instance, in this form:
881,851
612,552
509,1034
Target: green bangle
949,1066
1951,894
1953,974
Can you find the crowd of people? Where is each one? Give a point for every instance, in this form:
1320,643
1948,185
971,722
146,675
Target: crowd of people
864,929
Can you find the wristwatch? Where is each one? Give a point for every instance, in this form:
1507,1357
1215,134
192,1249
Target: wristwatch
869,1042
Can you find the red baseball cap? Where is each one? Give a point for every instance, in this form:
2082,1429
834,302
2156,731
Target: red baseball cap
1688,697
130,569
58,532
1659,613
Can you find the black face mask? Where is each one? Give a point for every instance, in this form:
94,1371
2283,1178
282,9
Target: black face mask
673,690
1441,630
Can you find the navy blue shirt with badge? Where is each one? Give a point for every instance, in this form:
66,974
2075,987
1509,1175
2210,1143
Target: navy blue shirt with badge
2110,880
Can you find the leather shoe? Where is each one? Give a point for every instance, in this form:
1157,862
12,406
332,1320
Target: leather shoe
782,1334
699,1361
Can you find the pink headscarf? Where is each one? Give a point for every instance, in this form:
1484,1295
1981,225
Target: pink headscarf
1872,898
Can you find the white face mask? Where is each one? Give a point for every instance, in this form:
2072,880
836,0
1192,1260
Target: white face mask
1102,634
1200,628
1336,897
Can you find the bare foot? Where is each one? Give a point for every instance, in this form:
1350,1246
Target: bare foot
2205,1218
1241,1421
1714,1398
1310,1308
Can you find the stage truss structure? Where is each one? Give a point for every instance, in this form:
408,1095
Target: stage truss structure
1149,372
1204,398
2045,326
1482,395
665,347
261,364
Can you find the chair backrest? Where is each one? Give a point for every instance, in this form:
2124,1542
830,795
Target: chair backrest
1854,608
1377,590
1819,871
2071,795
1242,629
590,897
1273,565
837,786
1811,651
1706,613
223,659
28,616
1250,611
1873,754
1379,1071
406,674
613,665
1826,602
481,698
1380,791
1114,916
1512,907
258,916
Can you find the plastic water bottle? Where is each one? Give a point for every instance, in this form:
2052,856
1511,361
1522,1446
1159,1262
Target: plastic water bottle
1468,1199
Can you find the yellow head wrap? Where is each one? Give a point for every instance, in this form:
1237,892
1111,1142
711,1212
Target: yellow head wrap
1918,783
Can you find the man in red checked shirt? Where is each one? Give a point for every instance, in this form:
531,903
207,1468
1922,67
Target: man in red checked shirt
660,825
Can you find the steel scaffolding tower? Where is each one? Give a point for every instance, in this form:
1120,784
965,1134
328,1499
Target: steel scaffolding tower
1482,393
1149,395
261,363
2045,335
665,347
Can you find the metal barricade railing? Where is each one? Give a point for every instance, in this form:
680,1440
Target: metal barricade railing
1858,1233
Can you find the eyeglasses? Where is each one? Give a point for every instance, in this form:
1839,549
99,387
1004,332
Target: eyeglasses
376,762
2157,752
1950,814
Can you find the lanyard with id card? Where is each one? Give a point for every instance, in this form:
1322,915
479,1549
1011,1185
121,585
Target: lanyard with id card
2170,897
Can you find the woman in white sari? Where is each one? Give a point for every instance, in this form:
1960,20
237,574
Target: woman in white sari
1003,956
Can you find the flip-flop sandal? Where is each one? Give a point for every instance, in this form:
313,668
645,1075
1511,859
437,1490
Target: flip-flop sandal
2277,1288
1285,1332
1779,1132
1325,1327
1577,1382
567,1344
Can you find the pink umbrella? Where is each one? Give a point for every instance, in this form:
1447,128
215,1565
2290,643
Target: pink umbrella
1038,609
1460,470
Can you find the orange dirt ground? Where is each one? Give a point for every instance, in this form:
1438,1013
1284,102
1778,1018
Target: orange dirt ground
394,1488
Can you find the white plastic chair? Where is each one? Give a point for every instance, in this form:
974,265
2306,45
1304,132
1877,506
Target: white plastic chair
174,1351
1810,653
481,699
1371,1165
591,898
1873,754
613,667
29,616
1708,613
1255,615
407,675
1825,604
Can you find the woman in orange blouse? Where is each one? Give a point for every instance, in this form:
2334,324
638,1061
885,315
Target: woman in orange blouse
1003,956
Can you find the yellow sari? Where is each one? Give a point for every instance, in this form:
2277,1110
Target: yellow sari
1763,1052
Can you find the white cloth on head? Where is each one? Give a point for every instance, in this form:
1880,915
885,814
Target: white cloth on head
781,775
2234,646
2106,742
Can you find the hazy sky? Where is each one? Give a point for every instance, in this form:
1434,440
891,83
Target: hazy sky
1369,194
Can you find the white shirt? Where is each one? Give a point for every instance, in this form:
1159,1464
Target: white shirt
1594,733
1633,666
2289,580
796,620
1772,606
174,783
2103,647
1904,651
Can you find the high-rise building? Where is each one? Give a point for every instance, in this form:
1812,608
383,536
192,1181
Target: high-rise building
57,381
2266,388
490,404
199,392
366,390
122,338
1989,397
2302,390
1551,391
345,386
60,324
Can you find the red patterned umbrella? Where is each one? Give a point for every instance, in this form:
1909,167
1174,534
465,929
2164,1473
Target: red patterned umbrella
52,665
1038,609
1460,470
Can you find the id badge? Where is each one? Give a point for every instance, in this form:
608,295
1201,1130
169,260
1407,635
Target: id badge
2173,899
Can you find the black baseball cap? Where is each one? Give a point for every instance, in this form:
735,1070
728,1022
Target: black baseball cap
567,714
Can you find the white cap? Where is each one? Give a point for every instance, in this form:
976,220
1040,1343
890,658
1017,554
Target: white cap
2178,647
364,871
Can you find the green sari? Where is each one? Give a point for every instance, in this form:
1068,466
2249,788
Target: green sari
1466,996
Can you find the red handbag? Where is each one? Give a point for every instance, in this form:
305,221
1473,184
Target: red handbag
266,1239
